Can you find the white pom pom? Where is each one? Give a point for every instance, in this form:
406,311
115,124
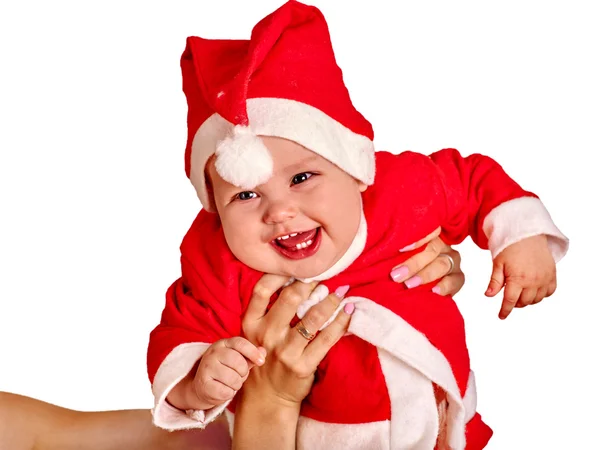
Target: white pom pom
243,160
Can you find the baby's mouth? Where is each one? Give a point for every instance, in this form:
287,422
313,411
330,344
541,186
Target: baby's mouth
298,245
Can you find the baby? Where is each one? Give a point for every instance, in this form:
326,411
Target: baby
286,171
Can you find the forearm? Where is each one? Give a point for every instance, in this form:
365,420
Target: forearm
264,424
27,424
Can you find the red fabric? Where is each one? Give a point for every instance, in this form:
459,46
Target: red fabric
413,194
288,56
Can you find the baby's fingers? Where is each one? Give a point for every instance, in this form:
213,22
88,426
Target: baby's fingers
229,378
512,292
246,349
527,297
216,392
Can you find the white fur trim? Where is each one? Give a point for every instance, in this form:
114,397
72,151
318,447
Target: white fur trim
289,119
243,160
470,398
521,218
172,370
317,296
414,409
314,435
407,347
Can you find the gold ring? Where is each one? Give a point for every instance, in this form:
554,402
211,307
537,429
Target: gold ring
304,332
451,262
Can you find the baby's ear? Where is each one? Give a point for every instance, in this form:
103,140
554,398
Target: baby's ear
362,187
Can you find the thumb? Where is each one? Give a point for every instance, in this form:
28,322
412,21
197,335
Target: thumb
496,280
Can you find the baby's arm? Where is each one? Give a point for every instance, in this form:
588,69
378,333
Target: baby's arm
217,376
483,201
202,309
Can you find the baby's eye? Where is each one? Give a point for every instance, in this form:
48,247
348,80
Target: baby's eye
246,195
301,177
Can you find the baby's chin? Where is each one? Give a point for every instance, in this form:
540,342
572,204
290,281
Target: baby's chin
299,270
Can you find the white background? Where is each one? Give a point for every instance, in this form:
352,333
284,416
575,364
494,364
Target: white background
94,200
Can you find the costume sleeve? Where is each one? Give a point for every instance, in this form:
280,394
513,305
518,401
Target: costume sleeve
485,203
202,307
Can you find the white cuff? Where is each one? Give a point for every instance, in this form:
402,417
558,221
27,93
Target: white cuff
517,219
172,370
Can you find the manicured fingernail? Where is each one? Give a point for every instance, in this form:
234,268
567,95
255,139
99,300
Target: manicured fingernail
349,308
341,291
413,282
399,273
437,290
408,247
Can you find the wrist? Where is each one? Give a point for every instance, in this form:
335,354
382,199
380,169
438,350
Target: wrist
184,396
270,402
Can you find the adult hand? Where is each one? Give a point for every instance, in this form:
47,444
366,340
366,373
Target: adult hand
437,261
269,403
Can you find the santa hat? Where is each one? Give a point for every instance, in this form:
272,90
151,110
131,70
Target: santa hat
283,82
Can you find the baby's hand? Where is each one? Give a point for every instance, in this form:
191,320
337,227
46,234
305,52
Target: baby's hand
529,271
223,369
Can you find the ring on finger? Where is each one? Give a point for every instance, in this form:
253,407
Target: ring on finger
309,336
451,260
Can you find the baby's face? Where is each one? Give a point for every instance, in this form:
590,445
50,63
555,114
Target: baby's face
300,222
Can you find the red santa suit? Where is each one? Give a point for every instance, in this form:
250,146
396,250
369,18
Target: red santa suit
374,389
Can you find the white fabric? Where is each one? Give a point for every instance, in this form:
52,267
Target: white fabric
517,219
292,120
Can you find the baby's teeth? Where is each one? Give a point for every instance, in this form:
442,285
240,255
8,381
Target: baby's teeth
294,234
303,244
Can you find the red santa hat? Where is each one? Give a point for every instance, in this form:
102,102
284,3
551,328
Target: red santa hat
283,82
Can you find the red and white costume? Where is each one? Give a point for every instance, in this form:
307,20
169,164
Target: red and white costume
374,389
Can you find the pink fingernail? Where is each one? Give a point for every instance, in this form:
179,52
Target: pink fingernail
408,247
437,290
413,282
399,273
341,291
349,308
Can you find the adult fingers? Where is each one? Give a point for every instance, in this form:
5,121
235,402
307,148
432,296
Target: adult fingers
311,323
417,262
441,266
435,233
319,346
261,296
450,284
284,309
